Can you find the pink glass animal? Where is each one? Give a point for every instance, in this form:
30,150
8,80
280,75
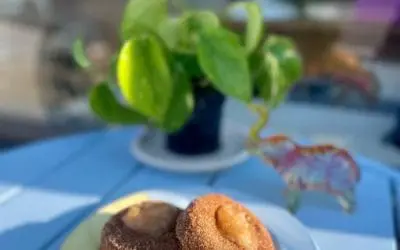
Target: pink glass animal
303,168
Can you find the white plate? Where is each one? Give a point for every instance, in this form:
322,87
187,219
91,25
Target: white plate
287,231
150,149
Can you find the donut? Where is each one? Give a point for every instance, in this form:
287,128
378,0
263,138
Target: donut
216,222
149,225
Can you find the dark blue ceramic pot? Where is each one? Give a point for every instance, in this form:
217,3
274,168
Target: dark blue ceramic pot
201,134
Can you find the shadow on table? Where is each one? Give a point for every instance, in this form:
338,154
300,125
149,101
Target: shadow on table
40,235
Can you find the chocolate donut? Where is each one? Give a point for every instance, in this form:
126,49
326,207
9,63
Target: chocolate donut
149,225
215,222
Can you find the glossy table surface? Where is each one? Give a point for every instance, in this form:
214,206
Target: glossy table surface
47,188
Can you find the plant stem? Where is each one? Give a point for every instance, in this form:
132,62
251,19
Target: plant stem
255,130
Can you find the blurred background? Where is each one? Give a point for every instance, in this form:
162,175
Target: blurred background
350,94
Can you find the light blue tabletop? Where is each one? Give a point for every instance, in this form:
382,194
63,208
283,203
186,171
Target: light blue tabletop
47,188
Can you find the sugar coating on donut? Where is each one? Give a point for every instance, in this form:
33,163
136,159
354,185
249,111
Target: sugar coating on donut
216,222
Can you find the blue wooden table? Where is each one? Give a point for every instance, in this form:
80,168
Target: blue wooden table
47,188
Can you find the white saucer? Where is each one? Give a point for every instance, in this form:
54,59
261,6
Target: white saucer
149,148
288,233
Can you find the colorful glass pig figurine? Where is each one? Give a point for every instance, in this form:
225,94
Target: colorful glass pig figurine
303,168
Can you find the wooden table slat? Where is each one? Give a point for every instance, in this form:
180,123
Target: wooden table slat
50,206
25,165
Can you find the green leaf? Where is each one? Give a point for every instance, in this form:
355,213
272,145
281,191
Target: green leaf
181,34
112,74
277,88
276,68
188,27
201,20
256,63
169,32
224,62
285,51
279,42
79,54
191,25
142,15
105,106
254,26
182,101
189,63
144,76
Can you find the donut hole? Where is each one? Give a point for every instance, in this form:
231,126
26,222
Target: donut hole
148,225
151,218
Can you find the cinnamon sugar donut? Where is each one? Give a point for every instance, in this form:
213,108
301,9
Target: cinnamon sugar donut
215,222
149,225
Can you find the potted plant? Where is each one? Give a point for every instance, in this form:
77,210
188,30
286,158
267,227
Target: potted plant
174,73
